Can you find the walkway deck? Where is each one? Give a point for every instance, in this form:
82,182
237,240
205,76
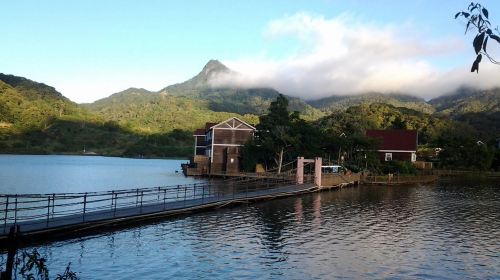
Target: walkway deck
70,214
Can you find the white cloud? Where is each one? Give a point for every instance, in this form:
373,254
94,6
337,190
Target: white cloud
346,56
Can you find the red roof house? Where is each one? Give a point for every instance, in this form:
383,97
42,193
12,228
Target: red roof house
395,144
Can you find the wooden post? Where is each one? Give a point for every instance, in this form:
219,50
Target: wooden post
317,171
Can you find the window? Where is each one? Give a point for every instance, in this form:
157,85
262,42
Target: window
388,156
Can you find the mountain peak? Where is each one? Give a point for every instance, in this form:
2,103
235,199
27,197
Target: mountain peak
212,67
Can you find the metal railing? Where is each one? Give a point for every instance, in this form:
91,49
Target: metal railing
42,209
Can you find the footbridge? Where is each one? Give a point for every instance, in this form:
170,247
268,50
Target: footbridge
51,216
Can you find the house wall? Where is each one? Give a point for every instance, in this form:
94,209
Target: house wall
400,156
227,143
232,136
217,164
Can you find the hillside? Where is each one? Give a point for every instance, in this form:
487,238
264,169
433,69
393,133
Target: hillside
27,104
36,119
356,119
147,112
468,100
341,103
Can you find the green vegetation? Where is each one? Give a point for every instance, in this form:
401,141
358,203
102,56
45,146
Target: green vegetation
341,103
467,100
35,118
340,137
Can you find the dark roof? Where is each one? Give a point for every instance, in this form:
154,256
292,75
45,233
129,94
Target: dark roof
402,140
199,131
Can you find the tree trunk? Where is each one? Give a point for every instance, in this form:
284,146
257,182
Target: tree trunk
280,161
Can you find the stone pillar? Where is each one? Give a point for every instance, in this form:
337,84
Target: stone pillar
317,171
300,171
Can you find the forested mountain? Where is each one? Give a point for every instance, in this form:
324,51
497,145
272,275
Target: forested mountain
467,100
35,118
149,112
233,99
25,103
340,103
356,119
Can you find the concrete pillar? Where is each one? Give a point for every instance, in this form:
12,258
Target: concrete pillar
317,171
300,171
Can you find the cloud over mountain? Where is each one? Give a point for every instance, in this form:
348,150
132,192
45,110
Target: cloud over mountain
343,55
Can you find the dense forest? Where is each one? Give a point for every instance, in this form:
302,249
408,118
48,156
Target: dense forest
35,118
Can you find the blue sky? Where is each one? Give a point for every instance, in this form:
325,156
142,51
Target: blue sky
91,49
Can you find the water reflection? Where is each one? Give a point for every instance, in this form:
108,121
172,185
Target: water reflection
446,231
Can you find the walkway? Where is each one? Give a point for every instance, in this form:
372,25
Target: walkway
42,215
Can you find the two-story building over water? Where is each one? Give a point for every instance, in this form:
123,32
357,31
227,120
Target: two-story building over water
217,148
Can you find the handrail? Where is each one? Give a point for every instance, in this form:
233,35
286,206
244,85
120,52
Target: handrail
44,208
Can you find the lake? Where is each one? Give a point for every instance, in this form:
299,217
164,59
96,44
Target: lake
446,230
48,174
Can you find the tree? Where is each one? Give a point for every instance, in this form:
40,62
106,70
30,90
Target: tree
274,130
477,19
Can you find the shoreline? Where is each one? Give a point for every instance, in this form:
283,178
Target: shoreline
94,155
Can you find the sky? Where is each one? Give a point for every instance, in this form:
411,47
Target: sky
91,49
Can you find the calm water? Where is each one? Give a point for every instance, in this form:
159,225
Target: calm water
450,230
48,174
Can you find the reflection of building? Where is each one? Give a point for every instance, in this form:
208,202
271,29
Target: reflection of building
395,144
218,146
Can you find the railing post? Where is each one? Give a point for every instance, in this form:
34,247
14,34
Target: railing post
112,198
53,204
177,192
202,193
165,197
116,202
185,195
142,193
15,211
194,191
6,214
48,209
137,198
158,194
84,206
